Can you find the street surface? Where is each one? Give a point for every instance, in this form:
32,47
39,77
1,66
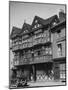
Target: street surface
45,83
42,83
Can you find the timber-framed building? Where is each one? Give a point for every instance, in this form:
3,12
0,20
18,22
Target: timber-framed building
39,48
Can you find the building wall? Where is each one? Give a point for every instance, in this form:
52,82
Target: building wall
56,39
59,61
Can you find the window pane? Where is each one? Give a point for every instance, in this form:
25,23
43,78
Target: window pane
59,49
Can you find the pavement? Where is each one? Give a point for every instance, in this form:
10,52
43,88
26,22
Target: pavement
42,84
45,83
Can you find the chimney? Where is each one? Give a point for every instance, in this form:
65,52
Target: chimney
61,15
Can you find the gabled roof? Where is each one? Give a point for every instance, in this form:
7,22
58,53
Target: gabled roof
15,31
40,20
50,20
18,32
25,27
28,28
44,21
60,24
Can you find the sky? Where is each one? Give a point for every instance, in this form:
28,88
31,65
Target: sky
21,12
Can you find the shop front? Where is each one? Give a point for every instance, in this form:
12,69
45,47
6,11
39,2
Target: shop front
37,71
44,71
59,69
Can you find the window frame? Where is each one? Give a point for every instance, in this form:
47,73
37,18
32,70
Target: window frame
59,49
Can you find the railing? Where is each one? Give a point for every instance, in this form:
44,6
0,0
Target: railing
24,61
36,59
40,59
31,43
19,46
41,40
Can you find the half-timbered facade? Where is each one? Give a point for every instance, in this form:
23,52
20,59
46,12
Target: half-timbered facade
32,46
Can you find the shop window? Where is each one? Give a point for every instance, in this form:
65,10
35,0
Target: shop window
59,49
62,71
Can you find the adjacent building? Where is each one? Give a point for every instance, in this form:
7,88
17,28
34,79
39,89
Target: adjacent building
39,48
59,47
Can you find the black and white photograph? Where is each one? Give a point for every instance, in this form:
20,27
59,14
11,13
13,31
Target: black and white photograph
37,44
